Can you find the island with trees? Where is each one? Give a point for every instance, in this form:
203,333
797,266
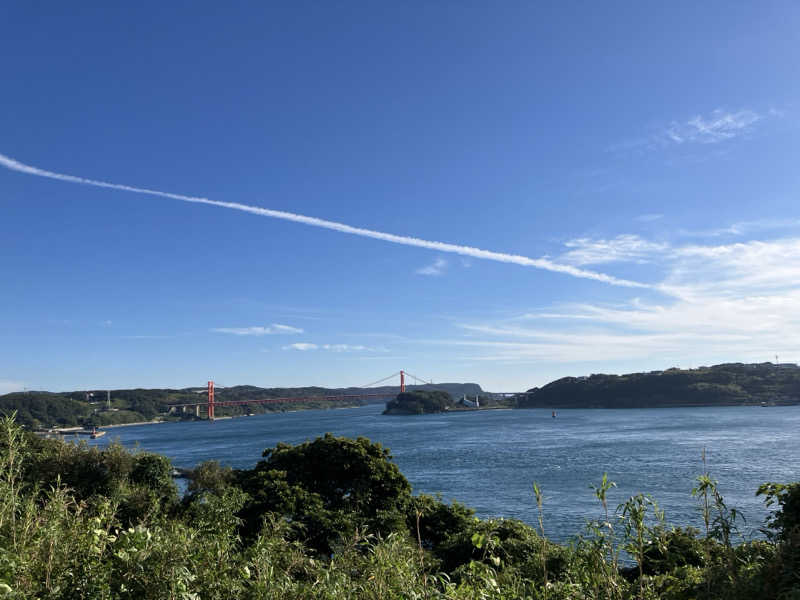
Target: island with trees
419,402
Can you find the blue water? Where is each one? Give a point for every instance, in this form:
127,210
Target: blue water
488,460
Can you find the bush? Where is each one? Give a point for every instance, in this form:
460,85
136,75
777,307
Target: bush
328,488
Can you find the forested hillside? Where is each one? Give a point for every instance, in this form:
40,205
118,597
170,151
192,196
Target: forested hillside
726,384
37,409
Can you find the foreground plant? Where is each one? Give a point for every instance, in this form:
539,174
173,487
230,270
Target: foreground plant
105,524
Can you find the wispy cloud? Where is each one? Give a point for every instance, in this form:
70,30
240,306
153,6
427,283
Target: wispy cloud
716,127
436,268
745,227
301,346
720,125
257,330
623,248
304,346
730,301
525,261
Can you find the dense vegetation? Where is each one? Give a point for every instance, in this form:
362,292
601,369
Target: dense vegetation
728,384
69,409
334,518
419,402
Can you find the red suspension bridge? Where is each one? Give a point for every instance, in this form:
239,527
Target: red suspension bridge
211,402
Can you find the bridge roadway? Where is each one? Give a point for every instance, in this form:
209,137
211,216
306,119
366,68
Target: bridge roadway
283,399
211,403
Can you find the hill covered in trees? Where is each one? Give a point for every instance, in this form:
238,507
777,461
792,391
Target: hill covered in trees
730,384
37,409
419,402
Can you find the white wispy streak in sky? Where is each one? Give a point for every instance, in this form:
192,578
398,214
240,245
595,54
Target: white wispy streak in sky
304,346
437,267
729,301
274,329
626,247
719,126
537,263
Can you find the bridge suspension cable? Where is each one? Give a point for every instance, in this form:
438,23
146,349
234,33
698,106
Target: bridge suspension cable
419,380
392,376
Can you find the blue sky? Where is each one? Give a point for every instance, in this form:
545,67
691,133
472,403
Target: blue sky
640,158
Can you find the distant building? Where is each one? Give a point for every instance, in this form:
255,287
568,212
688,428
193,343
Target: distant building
469,403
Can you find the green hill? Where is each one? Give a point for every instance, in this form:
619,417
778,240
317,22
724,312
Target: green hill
37,409
419,402
731,384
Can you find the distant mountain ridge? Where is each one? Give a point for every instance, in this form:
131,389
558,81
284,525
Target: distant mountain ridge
88,407
729,384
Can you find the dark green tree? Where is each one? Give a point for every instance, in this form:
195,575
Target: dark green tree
327,488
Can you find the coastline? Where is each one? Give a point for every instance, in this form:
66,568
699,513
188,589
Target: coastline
68,430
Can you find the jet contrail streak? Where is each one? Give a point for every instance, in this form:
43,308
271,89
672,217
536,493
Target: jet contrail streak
538,263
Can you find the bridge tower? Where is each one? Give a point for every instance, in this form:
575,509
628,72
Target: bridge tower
402,381
210,400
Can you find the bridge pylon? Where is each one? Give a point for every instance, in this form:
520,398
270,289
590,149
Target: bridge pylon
210,400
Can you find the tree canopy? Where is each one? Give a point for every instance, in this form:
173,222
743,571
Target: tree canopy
419,402
726,384
323,483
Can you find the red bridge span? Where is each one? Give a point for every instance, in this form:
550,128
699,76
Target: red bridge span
211,403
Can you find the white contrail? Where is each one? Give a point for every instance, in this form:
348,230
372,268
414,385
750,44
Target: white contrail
539,263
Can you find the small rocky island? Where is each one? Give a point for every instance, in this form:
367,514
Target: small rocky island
419,402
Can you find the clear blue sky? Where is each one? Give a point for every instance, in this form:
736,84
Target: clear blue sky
655,143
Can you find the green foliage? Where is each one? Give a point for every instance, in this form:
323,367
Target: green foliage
84,523
210,476
784,571
40,409
37,410
329,487
433,522
675,548
419,402
726,384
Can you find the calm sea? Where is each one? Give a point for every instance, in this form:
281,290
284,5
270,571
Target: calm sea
488,460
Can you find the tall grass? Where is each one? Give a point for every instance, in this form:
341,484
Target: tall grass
57,543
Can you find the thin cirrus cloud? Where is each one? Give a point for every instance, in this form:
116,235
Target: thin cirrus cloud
436,268
718,126
258,330
726,301
745,227
525,261
625,247
305,346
